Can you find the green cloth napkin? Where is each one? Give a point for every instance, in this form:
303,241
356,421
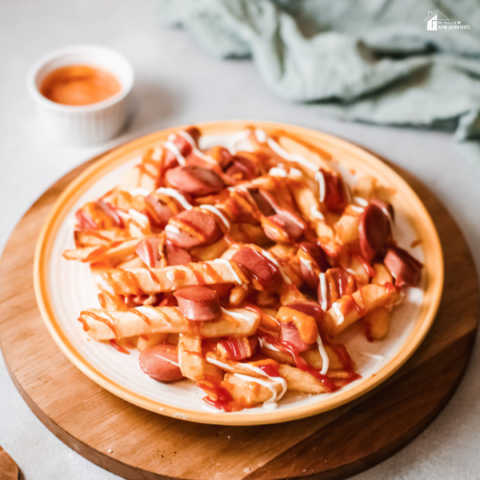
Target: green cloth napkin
365,60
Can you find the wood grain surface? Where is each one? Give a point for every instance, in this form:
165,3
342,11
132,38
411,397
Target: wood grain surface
8,467
138,444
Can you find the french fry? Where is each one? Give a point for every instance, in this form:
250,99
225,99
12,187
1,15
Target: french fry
111,251
144,176
247,391
146,341
382,276
103,325
91,238
190,357
300,381
168,279
210,252
376,323
343,312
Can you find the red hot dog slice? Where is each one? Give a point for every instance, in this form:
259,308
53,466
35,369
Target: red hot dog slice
161,363
310,252
192,228
403,267
290,223
265,202
158,213
195,180
289,333
373,231
332,190
176,255
260,268
198,303
147,250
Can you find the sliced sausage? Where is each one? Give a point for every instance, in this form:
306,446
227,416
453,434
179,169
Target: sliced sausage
314,254
259,268
373,231
335,196
198,303
403,267
111,212
195,180
290,223
176,255
223,289
313,309
243,166
147,250
192,228
221,155
161,363
265,202
338,283
183,145
289,333
158,213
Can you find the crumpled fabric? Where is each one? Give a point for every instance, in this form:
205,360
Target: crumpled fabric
363,60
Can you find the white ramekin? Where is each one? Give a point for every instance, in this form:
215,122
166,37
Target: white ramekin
85,124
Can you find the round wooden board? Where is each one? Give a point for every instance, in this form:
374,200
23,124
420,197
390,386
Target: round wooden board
139,444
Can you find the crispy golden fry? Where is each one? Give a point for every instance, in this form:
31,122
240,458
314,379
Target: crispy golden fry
300,381
365,187
343,313
146,341
111,252
135,281
347,228
238,294
312,357
92,238
144,176
104,325
248,233
312,153
190,357
383,275
248,391
377,322
210,252
290,294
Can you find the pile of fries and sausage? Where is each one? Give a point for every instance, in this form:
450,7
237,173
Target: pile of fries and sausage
238,269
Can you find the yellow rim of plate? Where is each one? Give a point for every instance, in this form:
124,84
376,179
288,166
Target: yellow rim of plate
411,206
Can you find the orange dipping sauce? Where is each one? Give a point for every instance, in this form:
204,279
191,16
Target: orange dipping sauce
79,85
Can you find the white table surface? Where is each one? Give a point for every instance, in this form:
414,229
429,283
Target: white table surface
177,83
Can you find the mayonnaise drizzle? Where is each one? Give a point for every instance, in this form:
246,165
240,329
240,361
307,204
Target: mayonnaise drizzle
323,290
321,185
140,218
240,316
338,311
357,209
316,212
169,145
269,346
138,191
236,139
264,383
361,201
217,212
102,284
170,192
323,354
172,229
292,157
294,172
195,150
270,257
278,172
149,311
261,135
171,276
257,370
230,267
